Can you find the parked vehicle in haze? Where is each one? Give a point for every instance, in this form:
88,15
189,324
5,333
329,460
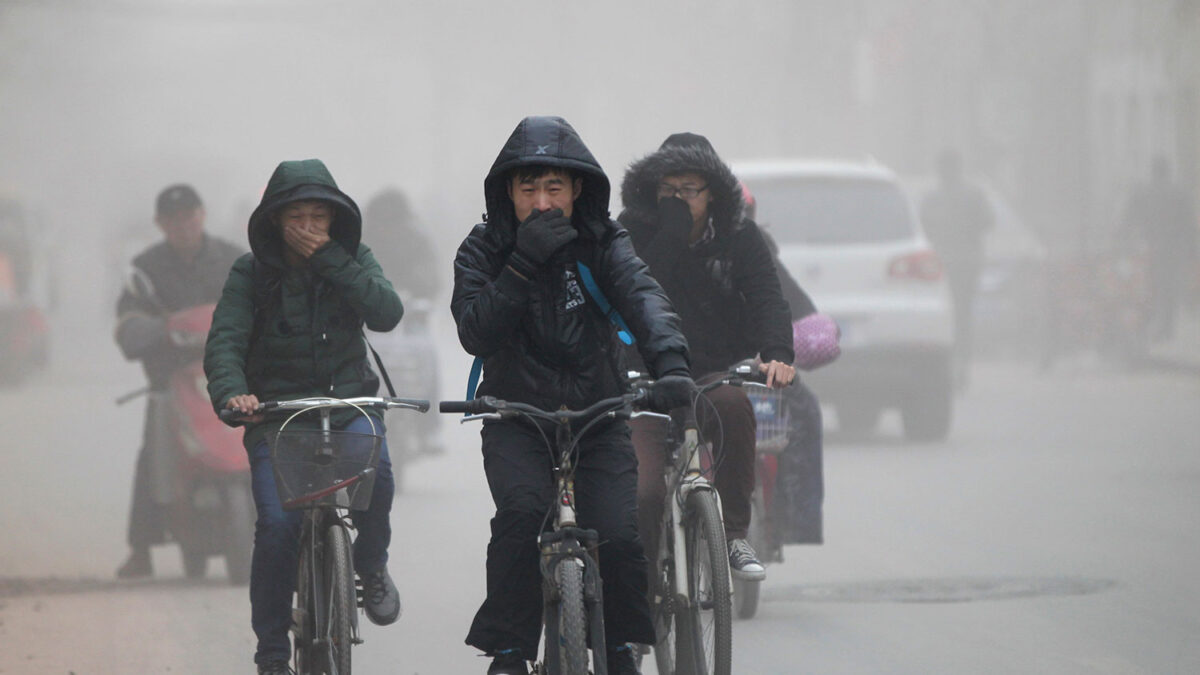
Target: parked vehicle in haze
849,234
24,329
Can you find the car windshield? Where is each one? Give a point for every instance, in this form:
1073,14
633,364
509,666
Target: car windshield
832,210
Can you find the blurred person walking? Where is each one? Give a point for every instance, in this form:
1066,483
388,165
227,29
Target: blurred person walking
1163,215
410,261
956,216
800,485
185,269
684,212
402,247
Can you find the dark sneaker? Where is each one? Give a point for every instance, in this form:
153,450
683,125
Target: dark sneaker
380,598
137,566
508,662
276,668
621,661
743,562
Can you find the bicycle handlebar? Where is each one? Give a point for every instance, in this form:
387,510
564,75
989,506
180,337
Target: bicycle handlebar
489,405
376,402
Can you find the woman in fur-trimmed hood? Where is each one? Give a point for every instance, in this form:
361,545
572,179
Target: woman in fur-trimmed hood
684,213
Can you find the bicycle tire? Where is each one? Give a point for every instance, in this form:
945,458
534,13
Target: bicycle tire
343,603
664,621
572,620
308,605
704,641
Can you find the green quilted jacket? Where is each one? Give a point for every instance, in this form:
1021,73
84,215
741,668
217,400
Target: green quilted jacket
282,332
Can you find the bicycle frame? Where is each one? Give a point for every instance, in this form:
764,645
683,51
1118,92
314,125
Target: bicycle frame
321,543
688,473
565,539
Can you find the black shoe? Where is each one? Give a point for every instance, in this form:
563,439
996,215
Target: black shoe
621,661
508,662
743,562
276,668
380,598
137,566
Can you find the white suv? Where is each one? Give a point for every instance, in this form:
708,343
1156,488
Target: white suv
850,236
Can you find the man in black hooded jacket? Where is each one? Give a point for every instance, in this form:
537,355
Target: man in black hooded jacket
520,306
684,212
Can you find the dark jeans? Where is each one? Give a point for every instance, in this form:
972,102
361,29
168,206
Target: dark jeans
276,546
518,467
730,425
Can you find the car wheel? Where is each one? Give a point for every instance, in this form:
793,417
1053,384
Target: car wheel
858,418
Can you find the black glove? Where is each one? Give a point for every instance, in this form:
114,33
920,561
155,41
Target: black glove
674,222
542,233
672,391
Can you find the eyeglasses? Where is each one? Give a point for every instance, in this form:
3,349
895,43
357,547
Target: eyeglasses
687,192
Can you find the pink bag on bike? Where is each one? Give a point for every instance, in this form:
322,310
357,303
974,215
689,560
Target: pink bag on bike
815,339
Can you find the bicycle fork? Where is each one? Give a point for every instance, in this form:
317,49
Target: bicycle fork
570,544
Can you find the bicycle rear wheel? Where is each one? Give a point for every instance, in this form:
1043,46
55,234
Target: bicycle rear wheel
566,628
339,579
704,630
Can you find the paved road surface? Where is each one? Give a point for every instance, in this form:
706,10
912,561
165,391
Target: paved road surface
1055,532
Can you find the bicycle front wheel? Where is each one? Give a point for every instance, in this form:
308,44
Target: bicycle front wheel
704,631
339,579
566,629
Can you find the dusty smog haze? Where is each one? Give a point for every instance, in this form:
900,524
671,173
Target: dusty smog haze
1057,108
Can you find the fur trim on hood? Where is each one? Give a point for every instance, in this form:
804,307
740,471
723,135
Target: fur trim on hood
684,153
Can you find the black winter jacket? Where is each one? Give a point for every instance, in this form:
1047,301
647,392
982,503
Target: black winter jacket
725,289
543,340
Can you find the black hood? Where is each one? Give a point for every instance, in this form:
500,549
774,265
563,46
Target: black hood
546,141
684,153
295,181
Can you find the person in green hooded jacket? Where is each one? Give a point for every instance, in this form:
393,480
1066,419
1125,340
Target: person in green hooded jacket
289,325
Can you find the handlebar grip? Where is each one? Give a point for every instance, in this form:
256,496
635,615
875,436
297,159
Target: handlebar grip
473,407
230,415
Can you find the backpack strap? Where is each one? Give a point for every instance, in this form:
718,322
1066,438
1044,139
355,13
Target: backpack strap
606,308
379,363
473,378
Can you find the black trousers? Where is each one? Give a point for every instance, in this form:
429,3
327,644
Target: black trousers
519,472
147,518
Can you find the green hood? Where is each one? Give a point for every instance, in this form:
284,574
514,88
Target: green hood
295,181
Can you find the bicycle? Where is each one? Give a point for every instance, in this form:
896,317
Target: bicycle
326,473
573,613
693,586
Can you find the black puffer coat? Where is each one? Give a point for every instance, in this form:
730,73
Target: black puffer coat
725,288
543,340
